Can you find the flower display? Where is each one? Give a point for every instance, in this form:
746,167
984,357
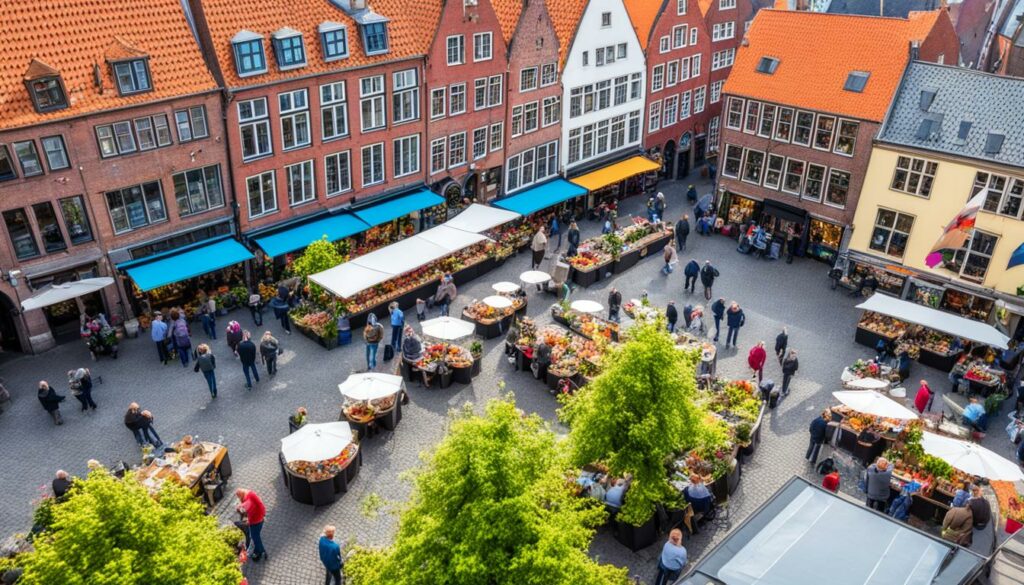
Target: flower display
453,356
321,470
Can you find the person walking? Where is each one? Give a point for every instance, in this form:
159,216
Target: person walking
233,334
181,336
206,363
682,232
80,384
133,422
208,317
877,479
146,425
614,304
256,307
789,367
925,396
247,355
672,558
691,195
696,324
330,556
397,325
718,310
269,350
818,430
573,237
281,305
446,293
659,207
671,257
373,333
981,510
50,400
691,272
756,359
672,315
539,246
958,526
781,342
61,484
734,319
650,209
158,333
556,232
255,512
708,274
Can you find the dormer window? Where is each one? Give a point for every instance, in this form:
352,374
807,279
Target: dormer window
856,81
247,47
48,94
767,65
333,41
289,50
375,38
132,76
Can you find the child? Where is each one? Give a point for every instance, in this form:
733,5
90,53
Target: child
421,309
831,481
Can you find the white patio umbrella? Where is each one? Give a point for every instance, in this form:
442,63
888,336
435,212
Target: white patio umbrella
57,293
498,302
316,442
505,287
447,328
871,402
867,384
370,386
534,277
971,458
586,306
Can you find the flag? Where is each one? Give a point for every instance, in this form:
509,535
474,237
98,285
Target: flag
957,232
1017,258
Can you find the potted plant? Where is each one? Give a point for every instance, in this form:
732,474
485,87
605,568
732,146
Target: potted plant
744,438
297,419
476,348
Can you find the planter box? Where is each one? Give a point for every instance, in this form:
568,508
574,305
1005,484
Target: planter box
586,278
476,366
937,360
325,342
462,375
626,261
868,338
636,537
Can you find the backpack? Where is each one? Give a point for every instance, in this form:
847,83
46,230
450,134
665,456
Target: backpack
181,333
389,353
826,466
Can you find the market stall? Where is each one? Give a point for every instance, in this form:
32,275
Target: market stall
587,324
618,251
202,466
445,362
494,313
573,357
868,423
318,462
371,401
632,176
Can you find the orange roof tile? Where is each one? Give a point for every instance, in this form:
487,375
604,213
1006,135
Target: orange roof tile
121,49
565,16
817,52
922,23
72,36
411,29
704,6
508,12
644,13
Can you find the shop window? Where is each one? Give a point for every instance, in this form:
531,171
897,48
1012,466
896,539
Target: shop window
804,125
734,117
20,232
56,153
892,230
773,172
753,116
828,235
28,158
438,155
372,160
733,158
405,96
76,220
767,121
968,305
784,127
338,173
294,110
914,176
198,190
254,127
136,207
49,227
972,260
815,181
299,182
191,124
838,188
457,99
261,192
371,103
132,76
407,155
333,111
794,176
753,165
846,141
180,240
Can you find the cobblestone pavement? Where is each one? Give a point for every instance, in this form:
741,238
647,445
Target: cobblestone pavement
821,324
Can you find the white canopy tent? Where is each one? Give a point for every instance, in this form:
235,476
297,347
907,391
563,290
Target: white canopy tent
971,458
871,402
479,218
317,442
934,319
370,386
352,277
58,293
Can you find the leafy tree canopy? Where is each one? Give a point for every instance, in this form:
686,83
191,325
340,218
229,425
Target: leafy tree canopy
112,532
491,506
636,414
318,256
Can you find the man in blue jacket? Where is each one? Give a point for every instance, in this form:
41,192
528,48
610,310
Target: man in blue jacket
819,430
692,271
330,556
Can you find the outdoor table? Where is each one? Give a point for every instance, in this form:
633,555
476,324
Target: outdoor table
323,491
191,473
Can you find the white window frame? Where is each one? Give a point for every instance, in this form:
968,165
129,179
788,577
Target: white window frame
255,121
443,92
653,117
333,107
886,247
670,110
406,155
302,167
479,143
453,90
684,105
828,188
296,116
338,156
438,147
455,50
723,31
531,117
681,7
375,96
839,135
552,111
919,174
658,78
693,35
699,99
730,111
726,4
483,46
725,161
747,152
672,73
405,96
716,91
832,134
785,174
456,143
375,150
496,137
768,169
679,36
259,178
523,74
664,44
548,74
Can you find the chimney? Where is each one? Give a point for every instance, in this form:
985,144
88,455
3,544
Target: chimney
358,4
915,47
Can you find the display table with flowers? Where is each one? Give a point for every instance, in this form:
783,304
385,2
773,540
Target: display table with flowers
491,322
982,378
319,482
573,356
874,326
319,325
457,364
618,251
586,324
191,464
364,416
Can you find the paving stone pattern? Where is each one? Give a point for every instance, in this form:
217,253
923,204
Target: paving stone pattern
821,325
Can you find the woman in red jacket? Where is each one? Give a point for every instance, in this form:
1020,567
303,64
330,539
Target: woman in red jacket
925,395
756,359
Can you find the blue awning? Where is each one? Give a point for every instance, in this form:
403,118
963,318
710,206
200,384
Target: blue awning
180,265
335,227
540,197
386,211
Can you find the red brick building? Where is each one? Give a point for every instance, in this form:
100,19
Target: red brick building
726,22
804,101
109,149
534,120
466,87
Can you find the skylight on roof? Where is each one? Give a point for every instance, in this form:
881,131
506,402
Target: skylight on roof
767,65
994,143
963,132
926,99
856,81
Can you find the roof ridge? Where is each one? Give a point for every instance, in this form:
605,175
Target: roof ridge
966,70
845,15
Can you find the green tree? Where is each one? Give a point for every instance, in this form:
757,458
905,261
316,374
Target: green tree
491,506
112,532
318,256
636,414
